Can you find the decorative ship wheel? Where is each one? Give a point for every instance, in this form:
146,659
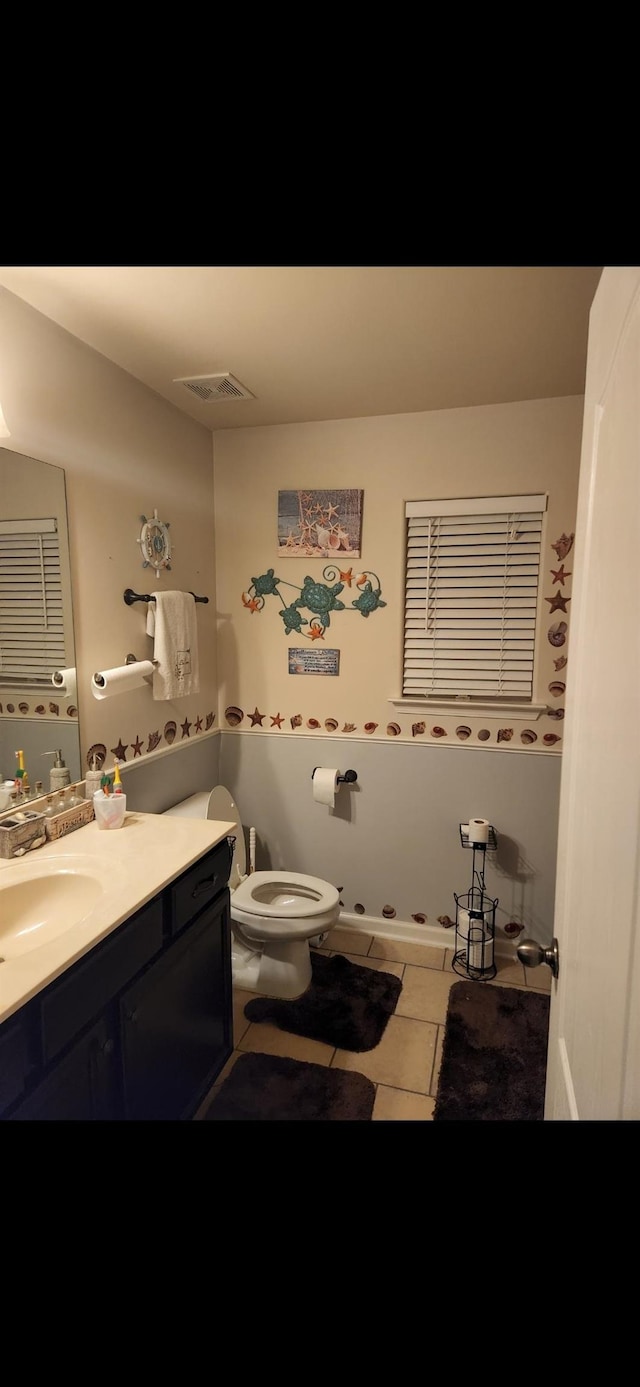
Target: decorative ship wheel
155,543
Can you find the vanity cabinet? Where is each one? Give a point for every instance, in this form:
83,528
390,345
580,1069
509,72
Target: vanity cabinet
139,1029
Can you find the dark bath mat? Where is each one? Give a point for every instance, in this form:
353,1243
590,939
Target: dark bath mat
271,1088
494,1055
344,1005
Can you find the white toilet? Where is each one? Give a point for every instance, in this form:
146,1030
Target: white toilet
274,915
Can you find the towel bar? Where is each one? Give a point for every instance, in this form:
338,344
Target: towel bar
131,596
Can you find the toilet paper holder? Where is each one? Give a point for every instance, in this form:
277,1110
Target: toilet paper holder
348,778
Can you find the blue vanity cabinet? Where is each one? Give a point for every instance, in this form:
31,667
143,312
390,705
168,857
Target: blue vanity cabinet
176,1021
139,1028
82,1087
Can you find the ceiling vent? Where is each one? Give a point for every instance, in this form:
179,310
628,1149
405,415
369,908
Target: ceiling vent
223,386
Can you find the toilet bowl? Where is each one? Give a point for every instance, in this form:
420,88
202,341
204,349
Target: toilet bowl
274,915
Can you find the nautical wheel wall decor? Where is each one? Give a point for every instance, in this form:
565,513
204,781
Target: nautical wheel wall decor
155,543
320,599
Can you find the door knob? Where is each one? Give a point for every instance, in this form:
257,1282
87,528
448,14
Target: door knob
532,954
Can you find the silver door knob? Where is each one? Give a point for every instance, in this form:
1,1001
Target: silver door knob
532,954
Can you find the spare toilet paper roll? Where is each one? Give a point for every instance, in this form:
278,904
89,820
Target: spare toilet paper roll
107,682
478,830
325,784
64,680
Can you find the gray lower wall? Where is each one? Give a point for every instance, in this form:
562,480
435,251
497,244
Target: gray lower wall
154,783
393,839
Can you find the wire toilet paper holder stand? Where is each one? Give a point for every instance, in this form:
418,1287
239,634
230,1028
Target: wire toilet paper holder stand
473,955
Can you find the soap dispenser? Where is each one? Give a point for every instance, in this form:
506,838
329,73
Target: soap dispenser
92,779
60,774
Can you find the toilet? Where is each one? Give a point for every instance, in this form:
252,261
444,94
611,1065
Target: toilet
274,915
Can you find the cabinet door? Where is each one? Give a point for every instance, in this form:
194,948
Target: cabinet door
176,1022
81,1087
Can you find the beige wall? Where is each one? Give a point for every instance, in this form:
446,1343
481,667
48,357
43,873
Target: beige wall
125,451
529,447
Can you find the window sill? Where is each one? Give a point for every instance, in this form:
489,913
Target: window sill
498,708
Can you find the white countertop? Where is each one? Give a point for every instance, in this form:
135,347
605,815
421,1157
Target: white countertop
142,857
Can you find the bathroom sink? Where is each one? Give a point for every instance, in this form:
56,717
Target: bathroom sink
39,901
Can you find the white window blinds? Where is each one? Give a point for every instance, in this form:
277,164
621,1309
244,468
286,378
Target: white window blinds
471,596
31,611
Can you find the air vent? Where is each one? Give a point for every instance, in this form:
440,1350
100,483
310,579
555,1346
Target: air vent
211,388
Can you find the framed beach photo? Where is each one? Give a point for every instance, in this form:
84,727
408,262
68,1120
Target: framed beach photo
320,524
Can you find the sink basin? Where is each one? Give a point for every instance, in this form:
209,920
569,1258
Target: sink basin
39,901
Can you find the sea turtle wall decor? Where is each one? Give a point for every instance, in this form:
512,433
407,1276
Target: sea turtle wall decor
318,599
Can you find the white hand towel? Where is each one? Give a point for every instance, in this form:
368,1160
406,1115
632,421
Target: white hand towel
171,620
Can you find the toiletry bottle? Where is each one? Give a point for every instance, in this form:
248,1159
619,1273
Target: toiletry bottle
92,779
50,807
60,774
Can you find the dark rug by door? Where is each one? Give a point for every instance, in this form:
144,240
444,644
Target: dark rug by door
494,1055
345,1005
271,1088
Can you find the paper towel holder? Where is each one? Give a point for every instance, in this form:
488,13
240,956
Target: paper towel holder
98,678
348,778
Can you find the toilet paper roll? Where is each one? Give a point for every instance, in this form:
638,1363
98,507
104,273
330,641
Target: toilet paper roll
478,831
325,784
107,682
64,680
478,938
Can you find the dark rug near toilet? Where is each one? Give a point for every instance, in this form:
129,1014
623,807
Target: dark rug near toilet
494,1055
345,1005
271,1088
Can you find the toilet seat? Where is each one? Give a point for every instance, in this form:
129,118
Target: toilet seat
284,905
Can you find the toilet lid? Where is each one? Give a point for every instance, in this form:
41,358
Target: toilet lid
222,806
285,895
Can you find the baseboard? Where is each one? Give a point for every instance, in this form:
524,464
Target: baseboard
409,932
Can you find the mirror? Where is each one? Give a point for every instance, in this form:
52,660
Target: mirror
35,716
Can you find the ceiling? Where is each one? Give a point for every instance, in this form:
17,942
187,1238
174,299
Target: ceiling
327,342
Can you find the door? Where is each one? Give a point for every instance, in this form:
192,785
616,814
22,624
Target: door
593,1067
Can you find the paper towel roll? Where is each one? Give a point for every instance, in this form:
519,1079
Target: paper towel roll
64,680
478,830
325,784
107,682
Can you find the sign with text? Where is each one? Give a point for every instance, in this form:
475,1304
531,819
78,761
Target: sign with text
314,661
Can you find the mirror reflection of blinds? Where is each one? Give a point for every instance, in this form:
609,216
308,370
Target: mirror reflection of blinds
31,610
471,597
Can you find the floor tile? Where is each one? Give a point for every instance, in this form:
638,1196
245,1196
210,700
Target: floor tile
425,994
539,978
422,955
403,1058
270,1040
396,1105
339,940
437,1063
240,1023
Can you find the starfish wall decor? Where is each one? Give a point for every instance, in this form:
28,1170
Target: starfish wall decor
320,599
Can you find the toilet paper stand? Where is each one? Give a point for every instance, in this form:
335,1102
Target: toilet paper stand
473,955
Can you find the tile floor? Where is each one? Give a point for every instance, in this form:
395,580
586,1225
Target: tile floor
405,1065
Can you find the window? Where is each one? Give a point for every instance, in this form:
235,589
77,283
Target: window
32,642
471,597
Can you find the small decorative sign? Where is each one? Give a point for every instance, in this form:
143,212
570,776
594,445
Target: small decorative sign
314,661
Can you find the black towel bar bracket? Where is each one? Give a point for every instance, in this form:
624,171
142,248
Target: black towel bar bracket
131,596
348,778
